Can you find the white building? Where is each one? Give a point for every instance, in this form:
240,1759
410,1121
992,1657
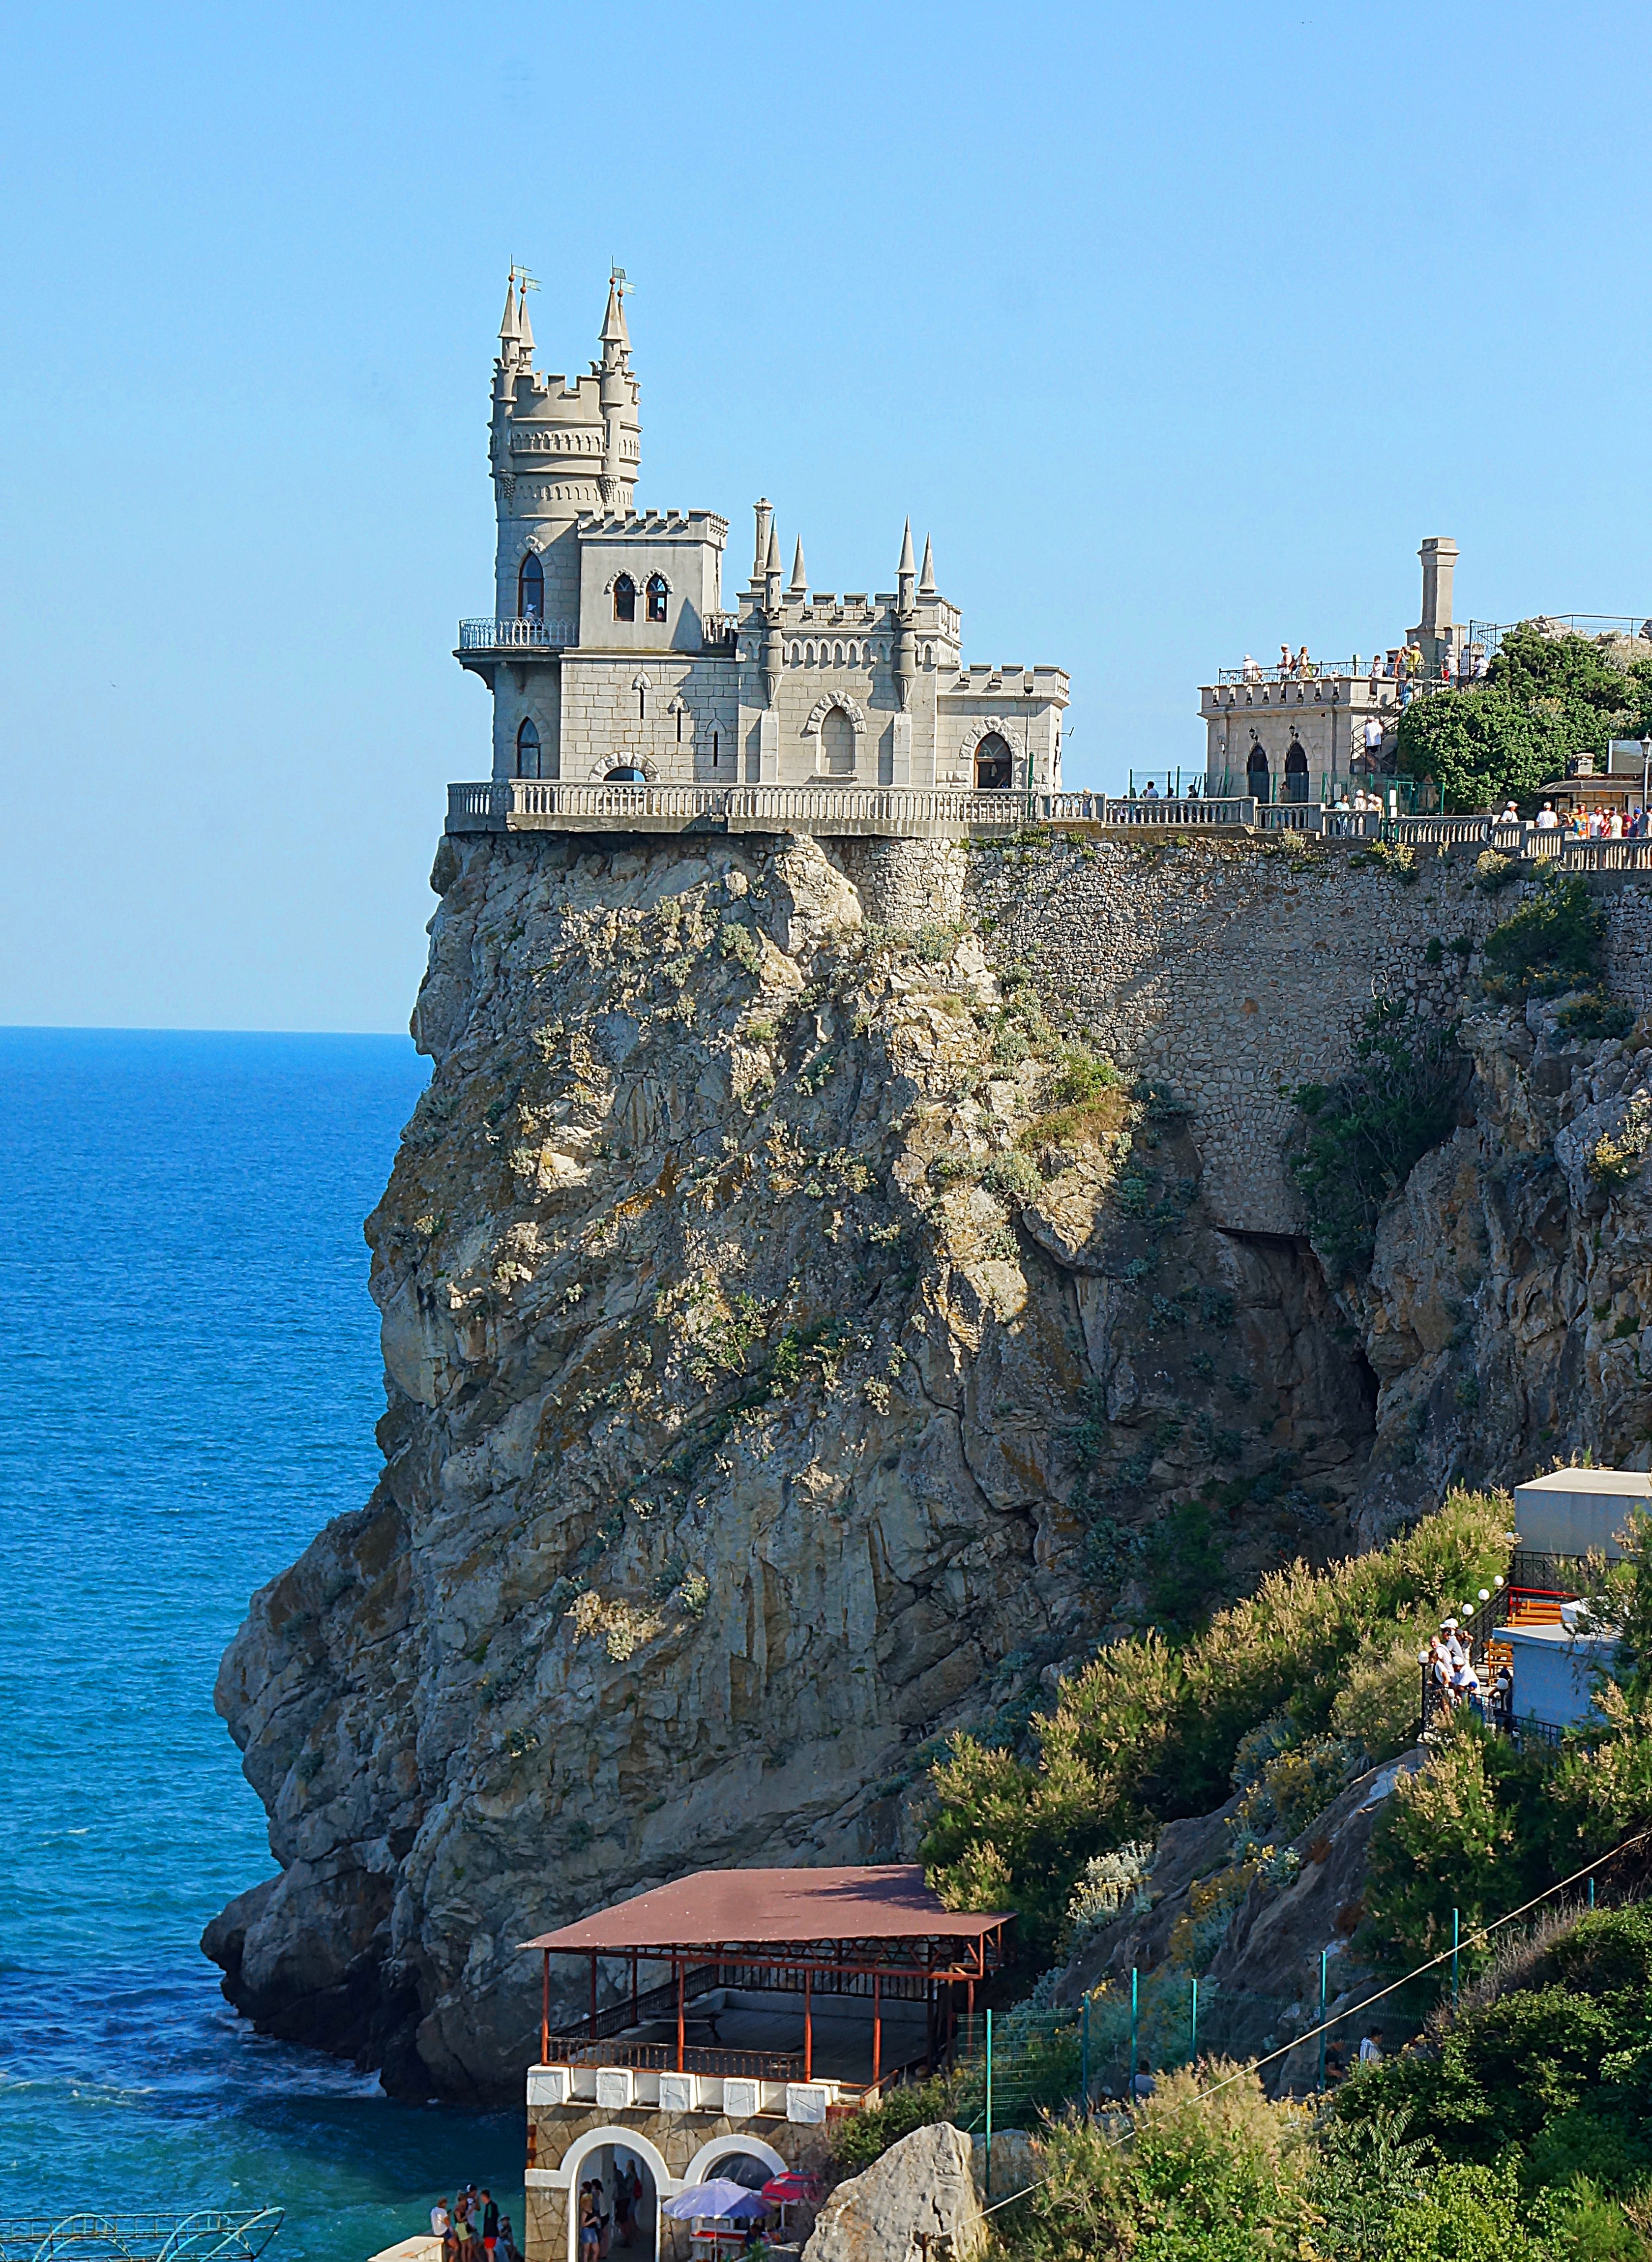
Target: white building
610,651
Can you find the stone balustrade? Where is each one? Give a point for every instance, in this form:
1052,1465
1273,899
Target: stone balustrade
528,635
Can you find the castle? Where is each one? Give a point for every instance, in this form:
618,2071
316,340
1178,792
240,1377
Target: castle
612,659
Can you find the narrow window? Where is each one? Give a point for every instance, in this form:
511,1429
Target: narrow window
530,590
995,766
527,749
625,598
680,726
657,596
642,703
714,749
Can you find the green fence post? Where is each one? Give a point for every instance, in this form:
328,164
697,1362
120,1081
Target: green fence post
1193,2029
989,2104
1591,1889
1135,2007
1456,1936
1084,2054
1325,1960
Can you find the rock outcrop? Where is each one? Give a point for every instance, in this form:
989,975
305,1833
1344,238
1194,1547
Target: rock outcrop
922,2189
796,1348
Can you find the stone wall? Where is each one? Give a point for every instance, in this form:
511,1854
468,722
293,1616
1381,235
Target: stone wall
1233,970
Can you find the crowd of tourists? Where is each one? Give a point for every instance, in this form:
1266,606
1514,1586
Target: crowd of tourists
1405,664
1581,824
603,2220
1457,1681
472,2230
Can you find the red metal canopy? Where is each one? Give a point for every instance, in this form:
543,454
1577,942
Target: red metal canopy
724,1908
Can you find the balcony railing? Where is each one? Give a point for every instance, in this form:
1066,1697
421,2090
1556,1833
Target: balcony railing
516,636
662,2057
719,628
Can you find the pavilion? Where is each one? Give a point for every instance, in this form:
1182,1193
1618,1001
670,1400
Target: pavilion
744,2009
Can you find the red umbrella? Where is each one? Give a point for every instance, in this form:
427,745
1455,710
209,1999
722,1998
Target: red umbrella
786,2190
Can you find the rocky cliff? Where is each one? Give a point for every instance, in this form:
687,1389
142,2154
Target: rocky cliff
796,1345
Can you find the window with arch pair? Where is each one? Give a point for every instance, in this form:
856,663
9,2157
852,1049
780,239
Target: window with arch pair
655,597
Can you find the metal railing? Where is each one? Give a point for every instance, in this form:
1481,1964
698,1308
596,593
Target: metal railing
663,2058
516,636
207,2234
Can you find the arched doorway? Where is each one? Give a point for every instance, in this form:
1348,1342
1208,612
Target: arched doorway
837,743
994,765
1258,777
596,2167
530,590
527,749
1296,772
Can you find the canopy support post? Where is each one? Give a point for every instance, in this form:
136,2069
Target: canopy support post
877,2027
633,1986
593,1994
544,2012
809,2026
679,2015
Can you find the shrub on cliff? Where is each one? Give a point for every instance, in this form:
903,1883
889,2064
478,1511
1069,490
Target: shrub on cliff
1362,1136
1559,2063
1148,1731
1551,945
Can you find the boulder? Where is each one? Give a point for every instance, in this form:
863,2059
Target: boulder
922,2186
1015,2163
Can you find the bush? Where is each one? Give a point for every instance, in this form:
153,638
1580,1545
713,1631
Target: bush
1552,944
1362,1136
1148,1730
1561,2065
1015,1176
1380,1707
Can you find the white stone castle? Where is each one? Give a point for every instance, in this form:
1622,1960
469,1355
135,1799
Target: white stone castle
612,659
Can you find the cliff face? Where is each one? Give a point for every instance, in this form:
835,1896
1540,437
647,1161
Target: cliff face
758,1408
796,1347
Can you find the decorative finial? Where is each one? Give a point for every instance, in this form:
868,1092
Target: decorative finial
907,566
800,577
510,328
926,579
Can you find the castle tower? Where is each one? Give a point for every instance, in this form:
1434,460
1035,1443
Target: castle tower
557,448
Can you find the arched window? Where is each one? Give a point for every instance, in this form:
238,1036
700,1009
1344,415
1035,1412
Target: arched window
527,748
808,655
626,773
837,743
1296,772
625,598
530,590
1257,775
995,766
658,593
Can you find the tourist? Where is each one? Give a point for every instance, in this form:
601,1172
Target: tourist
1503,1697
442,2228
624,2206
490,2224
1465,1685
1142,2085
1150,792
1305,666
1251,672
1510,814
1284,659
590,2227
1615,824
462,2228
1479,663
1546,819
509,2250
1371,2046
1372,736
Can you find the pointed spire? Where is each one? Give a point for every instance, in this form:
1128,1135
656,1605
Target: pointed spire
772,563
799,576
926,579
525,329
613,330
906,566
510,329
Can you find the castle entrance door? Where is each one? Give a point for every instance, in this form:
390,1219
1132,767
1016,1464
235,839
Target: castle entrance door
1258,777
1296,772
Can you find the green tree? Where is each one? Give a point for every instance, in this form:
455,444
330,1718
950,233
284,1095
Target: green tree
1545,700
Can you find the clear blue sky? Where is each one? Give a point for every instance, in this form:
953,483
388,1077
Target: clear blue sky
1178,326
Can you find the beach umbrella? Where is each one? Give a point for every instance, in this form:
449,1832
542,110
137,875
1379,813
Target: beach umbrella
721,2200
786,2190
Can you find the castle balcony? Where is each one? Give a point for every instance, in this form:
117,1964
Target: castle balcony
719,630
504,639
882,812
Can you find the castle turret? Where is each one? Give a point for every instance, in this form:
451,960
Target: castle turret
618,394
906,649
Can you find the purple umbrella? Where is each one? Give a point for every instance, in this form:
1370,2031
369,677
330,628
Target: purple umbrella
720,2201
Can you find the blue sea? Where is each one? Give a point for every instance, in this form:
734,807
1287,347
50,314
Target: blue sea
190,1381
